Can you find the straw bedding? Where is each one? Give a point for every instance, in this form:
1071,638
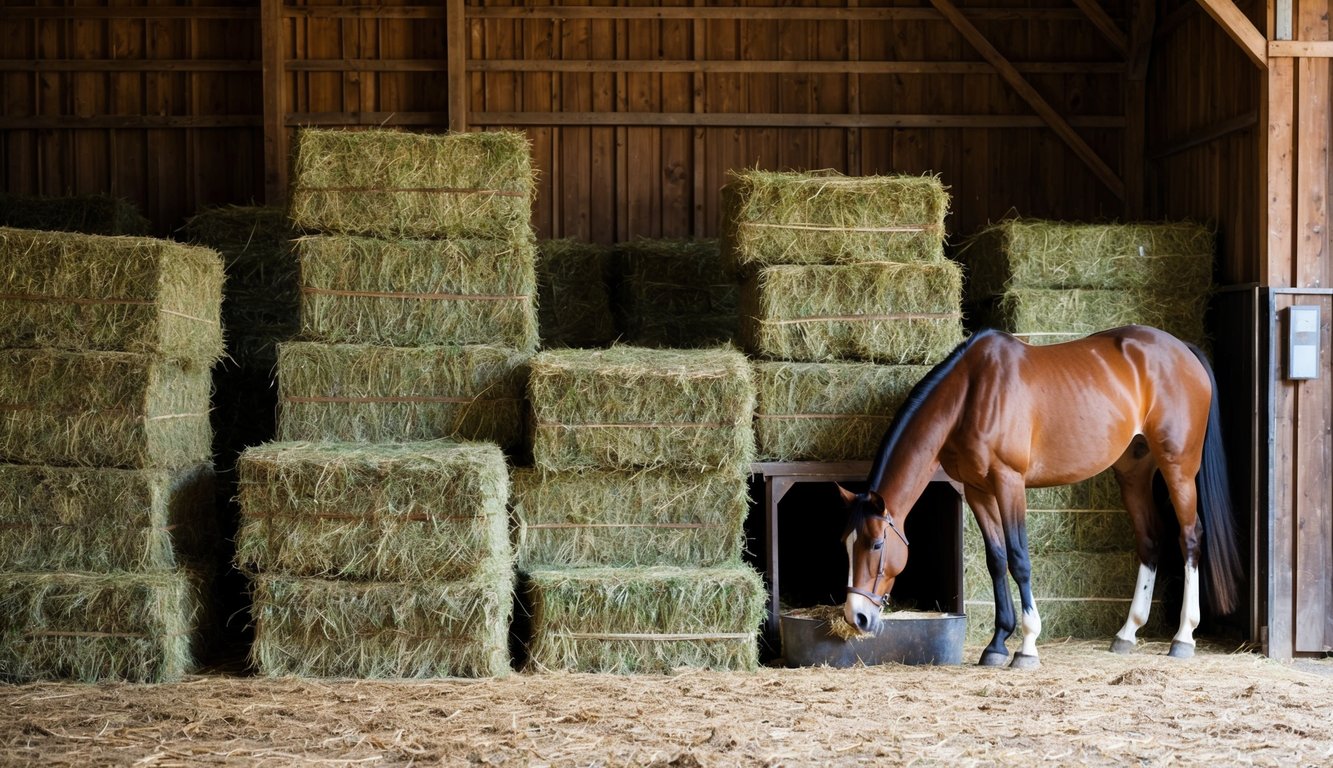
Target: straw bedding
90,214
574,294
625,519
771,218
333,628
398,184
110,409
827,411
407,512
675,293
623,620
417,292
118,294
75,519
368,393
899,314
630,408
94,626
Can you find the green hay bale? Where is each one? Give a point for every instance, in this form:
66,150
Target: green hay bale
97,626
675,293
261,299
89,214
112,294
332,628
608,518
1062,574
1072,617
1071,530
415,292
397,184
627,620
822,217
367,393
102,409
1050,316
63,519
408,512
1101,491
1033,253
632,408
827,411
574,295
898,314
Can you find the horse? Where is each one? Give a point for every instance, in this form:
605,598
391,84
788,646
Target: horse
1000,416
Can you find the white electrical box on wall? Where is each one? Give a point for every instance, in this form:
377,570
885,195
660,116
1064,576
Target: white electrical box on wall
1303,342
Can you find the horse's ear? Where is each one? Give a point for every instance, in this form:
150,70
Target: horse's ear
847,496
876,500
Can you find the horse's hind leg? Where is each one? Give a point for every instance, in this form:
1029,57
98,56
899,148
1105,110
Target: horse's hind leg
1134,473
1179,474
987,512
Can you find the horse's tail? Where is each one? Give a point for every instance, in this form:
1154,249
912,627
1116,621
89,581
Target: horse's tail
1221,556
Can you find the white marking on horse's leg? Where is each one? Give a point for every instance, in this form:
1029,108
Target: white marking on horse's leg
1189,611
1139,605
1031,629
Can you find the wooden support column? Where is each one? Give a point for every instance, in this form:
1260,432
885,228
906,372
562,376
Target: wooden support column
456,39
272,44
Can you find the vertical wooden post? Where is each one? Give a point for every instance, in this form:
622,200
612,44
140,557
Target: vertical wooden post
699,106
275,102
1136,68
456,38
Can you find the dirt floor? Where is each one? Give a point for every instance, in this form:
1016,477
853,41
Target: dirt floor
1083,706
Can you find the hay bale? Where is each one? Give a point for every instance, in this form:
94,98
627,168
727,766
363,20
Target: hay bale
102,409
1074,575
609,518
261,298
76,519
111,294
632,408
675,293
1050,316
418,292
574,294
1070,617
1101,491
898,314
1071,530
822,217
368,393
97,626
334,628
97,214
827,411
627,620
407,512
1032,253
398,184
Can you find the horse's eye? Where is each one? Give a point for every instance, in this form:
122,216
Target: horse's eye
877,545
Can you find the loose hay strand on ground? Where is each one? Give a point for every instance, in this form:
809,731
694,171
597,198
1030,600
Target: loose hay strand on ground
96,214
408,512
398,184
635,408
823,217
674,292
626,620
113,294
605,518
370,393
110,409
898,314
100,519
418,292
574,294
313,627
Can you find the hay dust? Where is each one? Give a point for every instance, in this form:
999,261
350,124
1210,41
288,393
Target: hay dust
1083,706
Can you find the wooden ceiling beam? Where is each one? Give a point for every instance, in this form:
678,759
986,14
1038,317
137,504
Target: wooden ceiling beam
1105,24
1238,27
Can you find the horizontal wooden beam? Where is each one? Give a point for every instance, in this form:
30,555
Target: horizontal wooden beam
1206,134
129,65
103,122
777,120
1239,28
228,11
784,67
1300,49
770,13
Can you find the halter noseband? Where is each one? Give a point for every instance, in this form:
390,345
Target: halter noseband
871,595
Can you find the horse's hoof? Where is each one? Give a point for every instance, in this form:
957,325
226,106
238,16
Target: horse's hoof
1025,661
1181,650
1122,646
993,659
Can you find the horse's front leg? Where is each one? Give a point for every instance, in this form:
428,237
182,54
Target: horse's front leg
987,512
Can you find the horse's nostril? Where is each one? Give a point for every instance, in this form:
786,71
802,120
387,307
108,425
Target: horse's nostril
862,621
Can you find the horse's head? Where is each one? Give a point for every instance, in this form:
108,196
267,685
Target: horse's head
876,554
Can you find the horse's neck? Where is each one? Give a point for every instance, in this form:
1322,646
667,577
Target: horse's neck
914,456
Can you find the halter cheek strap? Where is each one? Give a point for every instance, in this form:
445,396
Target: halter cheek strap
872,595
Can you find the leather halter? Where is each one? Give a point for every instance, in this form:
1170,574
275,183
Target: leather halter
871,595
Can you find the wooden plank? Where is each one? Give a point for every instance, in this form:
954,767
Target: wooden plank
457,38
1207,134
783,120
1311,510
767,13
131,12
676,214
273,51
88,97
853,33
698,146
748,66
1304,49
1057,123
602,199
1239,28
128,65
1311,210
1104,24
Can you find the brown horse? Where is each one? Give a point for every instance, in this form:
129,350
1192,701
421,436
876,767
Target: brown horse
1000,416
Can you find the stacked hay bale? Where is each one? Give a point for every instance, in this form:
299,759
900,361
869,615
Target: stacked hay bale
107,526
674,293
574,294
847,299
630,524
1048,282
417,320
89,214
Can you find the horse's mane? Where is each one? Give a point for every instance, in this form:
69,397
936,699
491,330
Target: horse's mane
913,403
